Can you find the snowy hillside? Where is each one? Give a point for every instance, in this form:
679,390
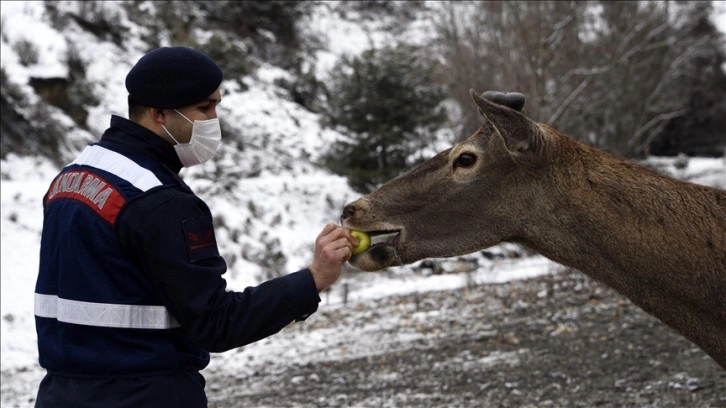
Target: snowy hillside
273,201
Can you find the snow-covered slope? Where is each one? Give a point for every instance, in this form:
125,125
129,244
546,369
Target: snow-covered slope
269,198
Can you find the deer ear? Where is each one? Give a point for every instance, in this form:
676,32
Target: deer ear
521,135
513,100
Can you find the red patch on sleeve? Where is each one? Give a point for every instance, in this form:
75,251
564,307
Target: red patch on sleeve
89,189
200,239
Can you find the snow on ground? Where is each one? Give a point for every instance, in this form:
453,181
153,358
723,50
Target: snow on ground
25,180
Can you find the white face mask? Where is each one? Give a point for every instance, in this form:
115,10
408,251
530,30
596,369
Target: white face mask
203,144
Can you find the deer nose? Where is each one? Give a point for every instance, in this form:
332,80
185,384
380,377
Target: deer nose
348,211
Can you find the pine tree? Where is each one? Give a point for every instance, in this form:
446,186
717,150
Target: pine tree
387,103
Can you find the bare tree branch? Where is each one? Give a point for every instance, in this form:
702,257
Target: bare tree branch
566,103
663,117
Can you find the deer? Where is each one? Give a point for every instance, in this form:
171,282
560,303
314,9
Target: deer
658,241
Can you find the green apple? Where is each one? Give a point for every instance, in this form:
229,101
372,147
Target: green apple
364,241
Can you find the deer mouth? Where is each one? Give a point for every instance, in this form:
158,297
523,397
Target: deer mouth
384,238
382,253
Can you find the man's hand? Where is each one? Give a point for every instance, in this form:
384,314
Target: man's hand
333,248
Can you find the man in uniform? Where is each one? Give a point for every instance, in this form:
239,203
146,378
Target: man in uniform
130,298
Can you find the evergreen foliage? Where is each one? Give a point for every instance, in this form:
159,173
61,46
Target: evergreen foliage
388,103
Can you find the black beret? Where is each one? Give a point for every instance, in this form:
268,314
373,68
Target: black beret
173,77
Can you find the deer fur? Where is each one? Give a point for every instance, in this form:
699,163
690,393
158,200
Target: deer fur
658,241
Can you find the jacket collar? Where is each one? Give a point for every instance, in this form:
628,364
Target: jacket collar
135,141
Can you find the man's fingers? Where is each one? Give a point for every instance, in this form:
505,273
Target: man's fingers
343,253
340,248
327,229
332,233
333,247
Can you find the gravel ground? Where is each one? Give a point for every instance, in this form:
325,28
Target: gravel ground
562,340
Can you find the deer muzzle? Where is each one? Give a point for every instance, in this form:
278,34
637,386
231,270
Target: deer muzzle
386,238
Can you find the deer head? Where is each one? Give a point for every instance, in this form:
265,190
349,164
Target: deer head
427,212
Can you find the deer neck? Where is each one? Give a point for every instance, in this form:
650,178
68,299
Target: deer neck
651,238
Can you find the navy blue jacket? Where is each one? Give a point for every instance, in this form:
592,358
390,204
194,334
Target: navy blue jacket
130,280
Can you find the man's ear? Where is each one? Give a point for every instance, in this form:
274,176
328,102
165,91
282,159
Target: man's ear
522,137
157,115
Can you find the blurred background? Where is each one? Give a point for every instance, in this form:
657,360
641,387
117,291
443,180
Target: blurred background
633,78
325,100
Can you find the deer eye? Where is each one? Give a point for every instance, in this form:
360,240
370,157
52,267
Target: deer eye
465,160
